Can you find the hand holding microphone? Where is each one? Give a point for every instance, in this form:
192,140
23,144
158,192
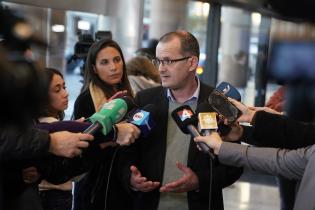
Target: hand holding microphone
126,133
213,141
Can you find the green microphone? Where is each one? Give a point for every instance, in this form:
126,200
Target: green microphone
110,114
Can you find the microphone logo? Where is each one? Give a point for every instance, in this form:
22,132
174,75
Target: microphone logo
226,89
140,118
109,105
185,114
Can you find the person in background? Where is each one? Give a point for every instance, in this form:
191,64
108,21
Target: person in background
277,100
165,170
142,74
287,188
149,51
105,78
55,197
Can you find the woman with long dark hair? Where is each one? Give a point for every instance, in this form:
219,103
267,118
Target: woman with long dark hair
105,77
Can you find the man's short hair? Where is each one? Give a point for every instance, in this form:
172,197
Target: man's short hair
189,43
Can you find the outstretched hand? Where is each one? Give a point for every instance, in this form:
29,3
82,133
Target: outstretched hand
188,182
140,183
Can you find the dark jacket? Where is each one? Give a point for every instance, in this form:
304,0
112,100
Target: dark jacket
148,154
90,192
18,143
272,130
83,106
19,146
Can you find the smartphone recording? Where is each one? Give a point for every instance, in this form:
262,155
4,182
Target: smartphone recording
223,106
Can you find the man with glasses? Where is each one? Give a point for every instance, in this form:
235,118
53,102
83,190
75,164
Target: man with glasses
166,170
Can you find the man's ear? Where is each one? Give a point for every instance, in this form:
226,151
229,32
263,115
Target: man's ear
194,61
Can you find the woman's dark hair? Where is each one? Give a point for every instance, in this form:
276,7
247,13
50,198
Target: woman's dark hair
91,76
46,112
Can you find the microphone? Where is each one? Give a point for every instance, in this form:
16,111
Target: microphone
111,112
229,90
209,120
187,121
143,118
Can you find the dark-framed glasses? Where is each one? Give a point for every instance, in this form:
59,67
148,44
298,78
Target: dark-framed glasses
157,61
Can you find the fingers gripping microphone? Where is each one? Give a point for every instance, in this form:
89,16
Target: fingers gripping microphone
143,119
187,121
111,113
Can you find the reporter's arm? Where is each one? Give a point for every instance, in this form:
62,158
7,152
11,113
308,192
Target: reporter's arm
20,144
272,130
288,163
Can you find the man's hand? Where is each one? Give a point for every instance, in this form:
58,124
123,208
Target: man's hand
188,182
140,183
30,175
214,141
127,133
68,144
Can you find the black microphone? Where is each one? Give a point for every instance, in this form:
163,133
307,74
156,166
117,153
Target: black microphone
143,118
187,121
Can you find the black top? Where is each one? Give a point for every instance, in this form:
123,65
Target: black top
272,130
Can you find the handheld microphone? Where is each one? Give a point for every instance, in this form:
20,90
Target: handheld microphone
187,121
207,122
143,118
229,90
111,113
203,110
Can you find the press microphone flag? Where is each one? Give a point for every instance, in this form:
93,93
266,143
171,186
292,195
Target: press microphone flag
143,119
187,121
207,122
229,91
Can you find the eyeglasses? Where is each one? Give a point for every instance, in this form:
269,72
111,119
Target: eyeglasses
157,61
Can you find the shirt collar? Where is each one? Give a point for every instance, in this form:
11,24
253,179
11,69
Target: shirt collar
192,99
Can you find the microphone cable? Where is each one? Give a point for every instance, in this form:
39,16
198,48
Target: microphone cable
210,180
109,175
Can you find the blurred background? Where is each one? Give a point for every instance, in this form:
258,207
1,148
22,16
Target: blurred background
241,43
